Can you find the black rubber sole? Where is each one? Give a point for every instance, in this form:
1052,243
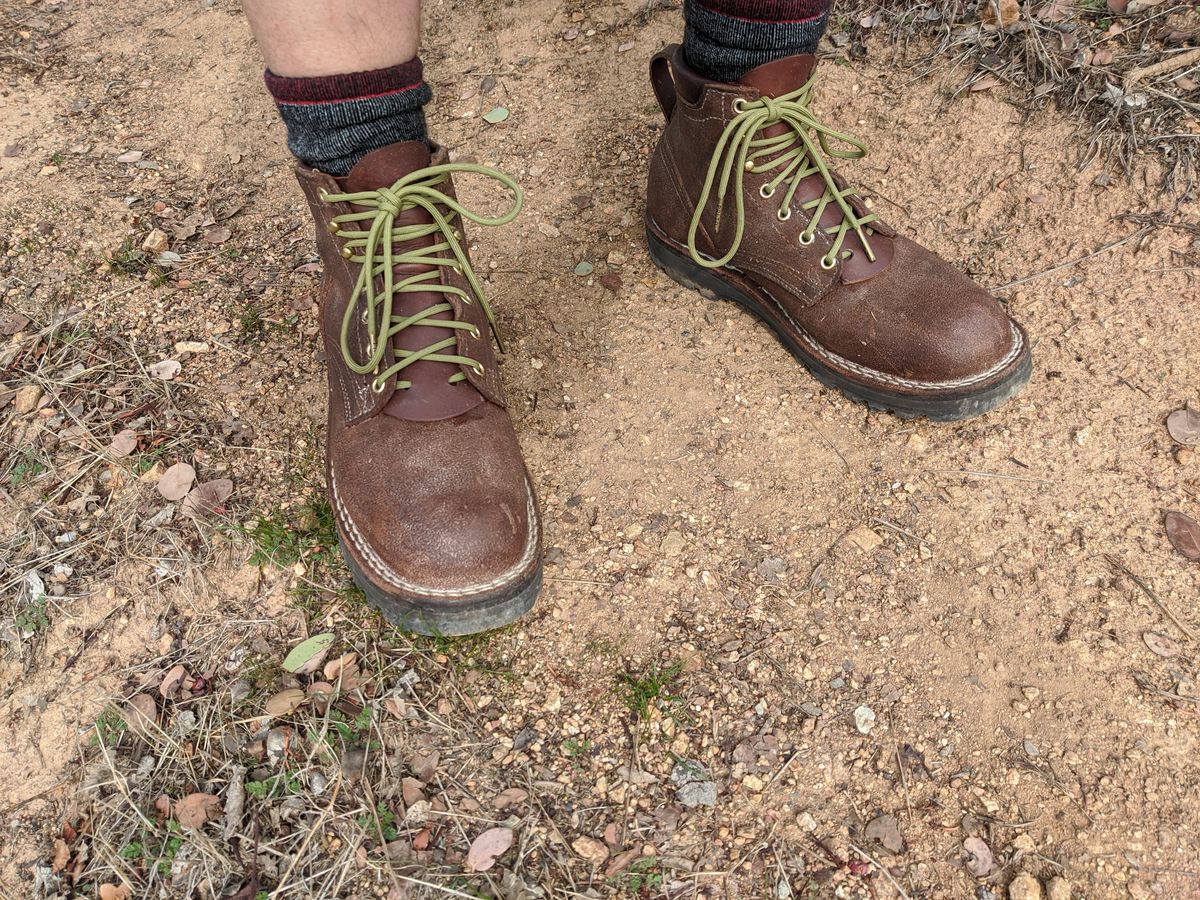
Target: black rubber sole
436,618
942,408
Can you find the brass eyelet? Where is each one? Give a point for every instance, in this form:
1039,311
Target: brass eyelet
739,105
475,332
323,195
784,214
347,253
827,263
457,235
810,238
766,194
333,227
478,367
457,269
376,386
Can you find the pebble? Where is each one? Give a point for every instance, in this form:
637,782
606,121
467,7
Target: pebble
697,793
26,399
864,719
1058,888
673,543
156,241
864,539
1025,887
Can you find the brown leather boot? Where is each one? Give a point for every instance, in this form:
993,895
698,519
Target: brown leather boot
742,206
435,511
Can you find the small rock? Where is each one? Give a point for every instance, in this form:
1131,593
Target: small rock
616,259
753,783
864,539
1025,887
673,543
156,241
1058,888
864,719
698,793
26,399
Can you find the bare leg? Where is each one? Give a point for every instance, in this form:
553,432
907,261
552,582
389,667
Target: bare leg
305,38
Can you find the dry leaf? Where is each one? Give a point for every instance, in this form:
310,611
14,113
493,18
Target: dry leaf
141,713
196,809
172,683
62,855
886,830
510,797
1000,12
344,665
114,892
218,235
162,807
591,849
1160,644
488,847
1184,534
176,481
1184,427
206,499
322,694
123,443
986,83
980,860
285,702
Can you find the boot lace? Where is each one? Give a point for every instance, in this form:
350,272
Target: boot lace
796,153
372,239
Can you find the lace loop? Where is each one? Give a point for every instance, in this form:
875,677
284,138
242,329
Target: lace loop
793,154
376,250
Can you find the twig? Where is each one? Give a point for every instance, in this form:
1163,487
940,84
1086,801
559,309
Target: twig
1170,64
1146,589
888,875
999,475
1110,246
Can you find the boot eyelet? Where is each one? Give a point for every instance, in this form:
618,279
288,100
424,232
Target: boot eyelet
827,263
323,195
766,192
377,386
739,105
784,214
347,253
478,367
475,333
806,239
333,228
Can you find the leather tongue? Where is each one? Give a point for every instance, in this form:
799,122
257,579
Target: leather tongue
781,76
431,396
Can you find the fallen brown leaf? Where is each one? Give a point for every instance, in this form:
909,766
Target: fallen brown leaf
1184,534
194,810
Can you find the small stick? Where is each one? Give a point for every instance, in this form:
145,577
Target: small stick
888,875
1170,64
999,475
1110,246
1166,610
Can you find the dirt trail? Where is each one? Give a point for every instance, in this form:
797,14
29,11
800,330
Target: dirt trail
706,501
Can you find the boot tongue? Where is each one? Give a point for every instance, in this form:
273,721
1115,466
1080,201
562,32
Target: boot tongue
781,76
385,166
431,396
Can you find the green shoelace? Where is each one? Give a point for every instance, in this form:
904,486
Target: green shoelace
375,250
796,154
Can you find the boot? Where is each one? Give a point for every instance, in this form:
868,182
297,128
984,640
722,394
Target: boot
435,511
742,206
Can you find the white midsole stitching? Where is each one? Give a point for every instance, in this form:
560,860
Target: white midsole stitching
384,571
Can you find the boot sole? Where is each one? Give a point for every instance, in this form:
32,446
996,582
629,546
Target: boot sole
435,617
943,408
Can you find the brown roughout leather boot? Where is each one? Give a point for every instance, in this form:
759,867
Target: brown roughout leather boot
743,206
435,512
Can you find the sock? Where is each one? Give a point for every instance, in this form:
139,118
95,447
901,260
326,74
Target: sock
333,121
725,39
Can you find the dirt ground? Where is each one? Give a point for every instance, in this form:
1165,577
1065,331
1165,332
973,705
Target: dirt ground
742,565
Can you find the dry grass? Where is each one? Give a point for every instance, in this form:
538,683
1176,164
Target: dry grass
1131,80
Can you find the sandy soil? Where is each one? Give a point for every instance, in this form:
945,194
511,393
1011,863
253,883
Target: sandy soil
706,501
